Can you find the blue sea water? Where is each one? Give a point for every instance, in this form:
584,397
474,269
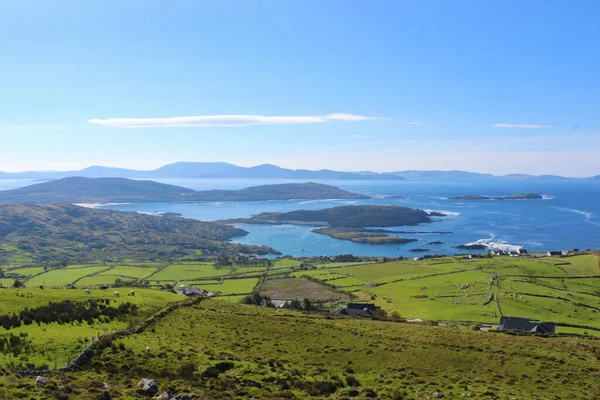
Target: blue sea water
569,217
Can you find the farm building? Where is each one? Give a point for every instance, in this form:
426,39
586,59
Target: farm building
359,310
191,291
280,303
525,325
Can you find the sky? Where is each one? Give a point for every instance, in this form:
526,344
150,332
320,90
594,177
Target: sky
498,86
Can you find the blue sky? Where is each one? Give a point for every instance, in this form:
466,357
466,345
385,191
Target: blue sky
491,86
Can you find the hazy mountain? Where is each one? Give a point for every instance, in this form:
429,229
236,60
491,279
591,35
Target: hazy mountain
264,171
121,190
436,174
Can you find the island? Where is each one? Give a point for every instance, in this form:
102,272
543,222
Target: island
475,246
354,223
56,233
362,235
517,196
95,191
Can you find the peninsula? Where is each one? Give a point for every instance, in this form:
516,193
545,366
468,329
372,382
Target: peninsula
62,232
78,190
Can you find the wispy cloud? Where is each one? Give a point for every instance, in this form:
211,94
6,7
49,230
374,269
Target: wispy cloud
415,123
359,136
522,126
225,120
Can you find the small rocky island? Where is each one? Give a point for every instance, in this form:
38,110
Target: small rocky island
354,223
517,196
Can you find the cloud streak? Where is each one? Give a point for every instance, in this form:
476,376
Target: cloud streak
225,120
522,126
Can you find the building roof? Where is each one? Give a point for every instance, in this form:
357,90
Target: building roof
525,324
361,306
356,312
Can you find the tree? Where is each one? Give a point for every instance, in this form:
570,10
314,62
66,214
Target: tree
18,284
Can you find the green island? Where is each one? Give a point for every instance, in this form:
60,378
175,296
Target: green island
517,196
349,222
362,235
78,190
94,327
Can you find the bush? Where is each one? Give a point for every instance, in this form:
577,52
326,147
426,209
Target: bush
187,371
352,381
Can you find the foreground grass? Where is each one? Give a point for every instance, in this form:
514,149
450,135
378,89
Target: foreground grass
279,354
56,344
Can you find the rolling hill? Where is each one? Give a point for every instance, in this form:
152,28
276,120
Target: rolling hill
52,233
121,190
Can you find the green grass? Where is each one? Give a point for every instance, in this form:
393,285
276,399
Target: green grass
63,276
56,343
586,265
98,280
386,272
183,271
131,272
26,272
278,354
286,262
298,288
6,282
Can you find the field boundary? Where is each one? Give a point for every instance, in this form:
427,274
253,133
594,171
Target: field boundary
105,340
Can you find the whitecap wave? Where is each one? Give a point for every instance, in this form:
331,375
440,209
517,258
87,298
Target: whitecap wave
96,205
493,244
318,201
153,213
445,212
547,197
586,214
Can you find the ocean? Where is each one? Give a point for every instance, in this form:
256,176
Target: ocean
567,218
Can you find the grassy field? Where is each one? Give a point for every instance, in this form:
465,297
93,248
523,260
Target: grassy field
460,290
63,276
58,343
298,288
188,271
222,350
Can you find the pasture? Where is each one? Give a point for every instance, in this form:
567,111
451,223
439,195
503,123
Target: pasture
218,349
298,288
63,276
189,271
59,342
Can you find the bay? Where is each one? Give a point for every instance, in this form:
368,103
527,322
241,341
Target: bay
568,217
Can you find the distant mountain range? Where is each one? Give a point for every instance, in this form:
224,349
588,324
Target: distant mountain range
265,171
80,190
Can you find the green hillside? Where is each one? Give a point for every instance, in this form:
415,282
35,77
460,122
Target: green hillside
54,234
120,190
221,350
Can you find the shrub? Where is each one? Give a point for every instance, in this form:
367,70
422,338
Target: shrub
352,381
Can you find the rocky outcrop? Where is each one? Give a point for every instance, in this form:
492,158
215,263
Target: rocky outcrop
147,387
